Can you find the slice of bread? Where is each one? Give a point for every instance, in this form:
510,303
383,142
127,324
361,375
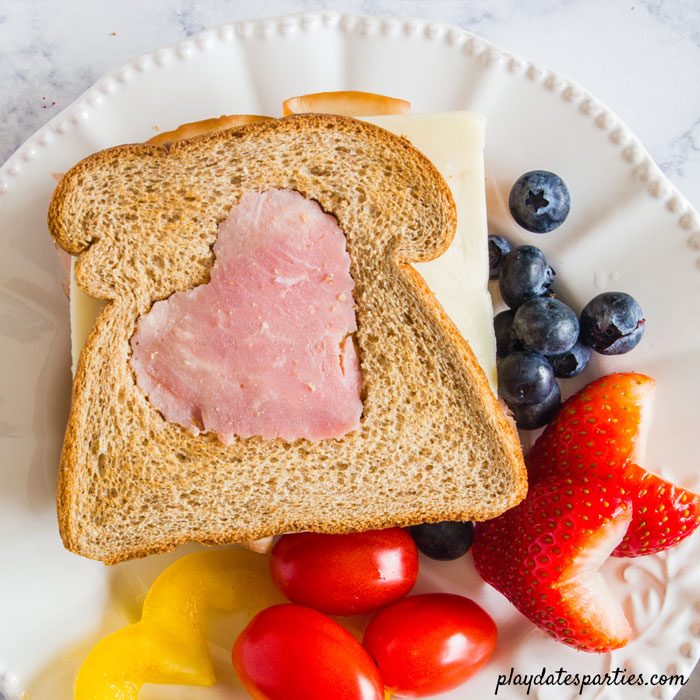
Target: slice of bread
434,443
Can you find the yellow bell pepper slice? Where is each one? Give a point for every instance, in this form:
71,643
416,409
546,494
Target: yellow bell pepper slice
169,643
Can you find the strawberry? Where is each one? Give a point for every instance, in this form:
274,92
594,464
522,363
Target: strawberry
663,514
599,428
544,556
600,431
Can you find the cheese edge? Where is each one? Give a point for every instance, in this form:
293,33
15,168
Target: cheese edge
454,142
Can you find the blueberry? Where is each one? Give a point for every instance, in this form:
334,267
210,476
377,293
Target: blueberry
499,247
539,201
572,362
537,415
506,340
524,274
525,378
547,326
443,541
612,323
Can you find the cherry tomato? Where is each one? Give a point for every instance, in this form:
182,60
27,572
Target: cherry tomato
427,644
345,574
289,652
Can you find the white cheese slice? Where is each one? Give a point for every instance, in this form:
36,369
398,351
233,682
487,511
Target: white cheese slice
454,142
84,310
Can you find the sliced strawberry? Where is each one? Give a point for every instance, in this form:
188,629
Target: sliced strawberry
600,431
544,556
662,514
599,428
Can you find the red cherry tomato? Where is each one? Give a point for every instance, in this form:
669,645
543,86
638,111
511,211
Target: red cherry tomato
345,574
289,652
427,644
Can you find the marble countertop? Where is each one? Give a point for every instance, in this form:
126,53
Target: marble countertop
641,57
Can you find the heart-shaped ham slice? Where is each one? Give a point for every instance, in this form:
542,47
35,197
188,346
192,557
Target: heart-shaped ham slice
265,348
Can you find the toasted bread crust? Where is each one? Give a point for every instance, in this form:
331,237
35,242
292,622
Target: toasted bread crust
205,126
131,484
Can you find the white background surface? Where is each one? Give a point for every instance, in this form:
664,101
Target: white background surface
640,57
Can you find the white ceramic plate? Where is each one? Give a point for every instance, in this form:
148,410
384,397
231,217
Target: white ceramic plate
628,229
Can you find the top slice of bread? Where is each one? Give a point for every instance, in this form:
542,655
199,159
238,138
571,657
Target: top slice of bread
434,443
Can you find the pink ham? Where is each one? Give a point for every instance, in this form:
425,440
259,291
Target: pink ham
265,348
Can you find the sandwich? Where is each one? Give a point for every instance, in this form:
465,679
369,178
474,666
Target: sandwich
266,358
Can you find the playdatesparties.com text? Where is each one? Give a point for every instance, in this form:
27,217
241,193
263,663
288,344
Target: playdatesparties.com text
562,677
